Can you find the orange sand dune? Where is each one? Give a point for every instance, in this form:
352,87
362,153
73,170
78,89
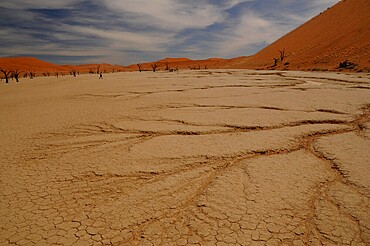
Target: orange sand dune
340,33
175,60
29,63
26,64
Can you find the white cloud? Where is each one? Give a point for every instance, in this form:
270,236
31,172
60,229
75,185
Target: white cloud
250,29
148,41
170,14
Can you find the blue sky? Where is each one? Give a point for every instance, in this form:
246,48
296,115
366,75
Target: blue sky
131,31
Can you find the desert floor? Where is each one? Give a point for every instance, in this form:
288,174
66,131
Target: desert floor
212,157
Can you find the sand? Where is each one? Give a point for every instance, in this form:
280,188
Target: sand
208,157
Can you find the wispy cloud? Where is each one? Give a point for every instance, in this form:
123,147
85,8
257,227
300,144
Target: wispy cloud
168,14
130,31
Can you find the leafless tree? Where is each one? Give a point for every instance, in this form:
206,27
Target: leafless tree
31,73
6,73
167,66
140,67
73,72
154,66
15,74
283,55
98,70
57,74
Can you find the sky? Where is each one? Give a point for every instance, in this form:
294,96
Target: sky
131,31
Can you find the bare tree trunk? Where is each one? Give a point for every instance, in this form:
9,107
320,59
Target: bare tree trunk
282,55
6,74
140,67
154,67
167,66
275,62
16,74
31,73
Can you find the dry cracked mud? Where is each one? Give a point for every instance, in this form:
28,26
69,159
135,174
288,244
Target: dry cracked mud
213,157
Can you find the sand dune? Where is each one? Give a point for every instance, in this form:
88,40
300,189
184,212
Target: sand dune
338,34
216,157
29,63
26,64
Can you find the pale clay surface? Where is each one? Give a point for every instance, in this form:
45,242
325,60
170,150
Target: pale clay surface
225,157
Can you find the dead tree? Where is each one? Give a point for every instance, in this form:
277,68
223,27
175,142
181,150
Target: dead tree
57,74
15,74
140,67
167,66
73,72
31,73
282,55
98,70
154,66
275,62
7,74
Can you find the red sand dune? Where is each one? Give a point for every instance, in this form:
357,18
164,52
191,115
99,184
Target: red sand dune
29,63
340,33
